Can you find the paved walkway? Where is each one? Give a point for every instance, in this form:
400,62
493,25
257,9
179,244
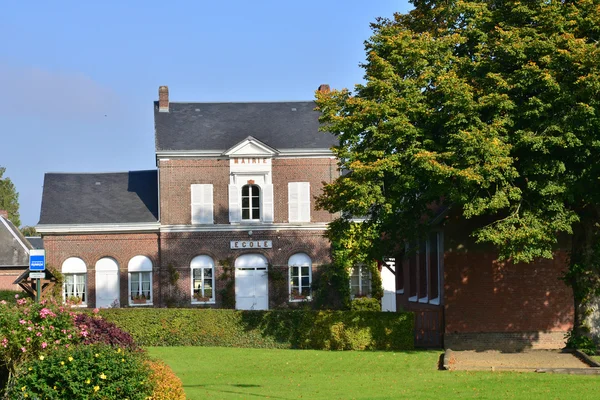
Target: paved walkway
525,361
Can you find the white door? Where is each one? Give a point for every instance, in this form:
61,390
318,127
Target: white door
107,283
388,281
251,283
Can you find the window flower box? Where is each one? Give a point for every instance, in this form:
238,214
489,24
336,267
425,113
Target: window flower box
203,299
139,299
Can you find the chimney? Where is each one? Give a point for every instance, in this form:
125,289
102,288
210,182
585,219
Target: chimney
163,99
324,88
4,213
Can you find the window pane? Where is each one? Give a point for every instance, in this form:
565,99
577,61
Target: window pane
412,275
245,190
295,281
422,270
434,265
207,273
245,214
305,271
354,280
135,283
255,213
305,281
295,271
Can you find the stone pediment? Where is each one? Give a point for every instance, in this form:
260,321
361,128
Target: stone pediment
251,147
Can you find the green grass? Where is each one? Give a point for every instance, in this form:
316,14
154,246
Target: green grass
234,373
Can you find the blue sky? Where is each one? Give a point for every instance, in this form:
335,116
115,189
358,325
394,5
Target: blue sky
78,79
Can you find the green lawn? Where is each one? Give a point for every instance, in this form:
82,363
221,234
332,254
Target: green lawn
227,373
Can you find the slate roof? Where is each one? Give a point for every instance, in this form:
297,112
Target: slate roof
12,253
99,198
36,242
220,126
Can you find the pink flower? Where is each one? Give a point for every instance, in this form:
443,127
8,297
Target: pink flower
69,336
3,302
28,340
29,328
44,312
38,334
67,345
96,311
44,345
57,341
22,322
84,333
4,342
23,349
16,296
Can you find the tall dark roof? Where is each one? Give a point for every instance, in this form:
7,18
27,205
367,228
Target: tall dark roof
220,126
121,197
36,242
12,241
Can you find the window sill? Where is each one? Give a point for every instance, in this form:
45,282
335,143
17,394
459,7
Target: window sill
82,305
435,301
400,291
300,300
413,299
202,302
140,305
424,300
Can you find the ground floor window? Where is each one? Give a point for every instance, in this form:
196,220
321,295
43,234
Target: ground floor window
300,270
203,282
425,269
140,280
74,271
360,281
74,288
140,285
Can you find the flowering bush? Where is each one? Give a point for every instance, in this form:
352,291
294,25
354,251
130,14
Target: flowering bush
28,329
84,372
102,331
167,385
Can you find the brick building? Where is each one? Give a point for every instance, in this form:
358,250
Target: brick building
234,187
228,219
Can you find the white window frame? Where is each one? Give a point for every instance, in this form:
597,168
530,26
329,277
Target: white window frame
202,263
359,268
138,266
75,267
300,260
251,206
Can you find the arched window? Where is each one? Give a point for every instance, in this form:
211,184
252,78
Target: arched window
203,281
250,202
360,281
300,267
140,280
75,282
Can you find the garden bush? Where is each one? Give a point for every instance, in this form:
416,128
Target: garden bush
28,329
167,386
84,372
102,331
303,329
365,304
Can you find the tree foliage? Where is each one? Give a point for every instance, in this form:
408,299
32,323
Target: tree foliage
491,107
9,198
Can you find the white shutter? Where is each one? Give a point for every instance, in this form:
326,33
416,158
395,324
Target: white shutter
202,204
293,196
235,213
304,201
267,203
299,201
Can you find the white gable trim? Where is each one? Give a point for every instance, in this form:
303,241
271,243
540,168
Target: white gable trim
244,227
218,154
251,147
13,234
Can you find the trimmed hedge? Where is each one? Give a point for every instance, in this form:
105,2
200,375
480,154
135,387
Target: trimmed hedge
299,329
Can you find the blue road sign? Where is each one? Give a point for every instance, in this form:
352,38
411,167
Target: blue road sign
37,260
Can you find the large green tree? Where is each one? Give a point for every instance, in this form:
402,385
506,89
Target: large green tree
489,107
9,198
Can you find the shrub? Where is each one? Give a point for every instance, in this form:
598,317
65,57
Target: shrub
365,304
84,372
102,331
305,329
28,329
167,386
581,343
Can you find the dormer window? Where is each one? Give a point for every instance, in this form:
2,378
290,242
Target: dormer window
250,203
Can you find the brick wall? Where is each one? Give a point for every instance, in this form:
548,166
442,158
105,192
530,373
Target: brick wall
91,248
178,249
176,177
500,303
8,276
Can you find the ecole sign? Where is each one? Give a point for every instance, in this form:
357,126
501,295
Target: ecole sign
251,244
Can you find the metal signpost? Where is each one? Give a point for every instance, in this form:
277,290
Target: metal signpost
37,266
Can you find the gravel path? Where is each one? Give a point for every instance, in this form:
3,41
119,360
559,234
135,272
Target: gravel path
495,360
